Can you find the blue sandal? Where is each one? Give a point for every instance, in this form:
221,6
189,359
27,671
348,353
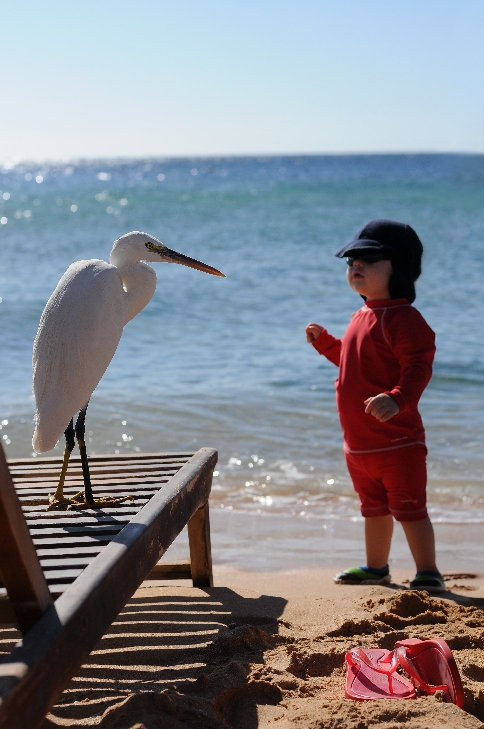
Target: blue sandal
363,576
428,580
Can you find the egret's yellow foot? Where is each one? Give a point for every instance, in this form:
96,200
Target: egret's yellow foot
55,501
77,503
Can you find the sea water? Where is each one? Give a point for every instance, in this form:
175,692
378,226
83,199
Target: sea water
224,362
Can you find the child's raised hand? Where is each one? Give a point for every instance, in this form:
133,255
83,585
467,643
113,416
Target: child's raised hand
382,407
313,331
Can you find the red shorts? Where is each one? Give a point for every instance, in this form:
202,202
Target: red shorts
391,482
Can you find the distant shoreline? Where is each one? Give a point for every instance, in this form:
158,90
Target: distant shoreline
11,163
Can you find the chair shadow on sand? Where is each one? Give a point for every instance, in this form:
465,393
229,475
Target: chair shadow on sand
180,659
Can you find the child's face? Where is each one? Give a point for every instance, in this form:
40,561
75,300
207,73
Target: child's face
370,279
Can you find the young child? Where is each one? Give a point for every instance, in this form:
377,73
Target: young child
385,363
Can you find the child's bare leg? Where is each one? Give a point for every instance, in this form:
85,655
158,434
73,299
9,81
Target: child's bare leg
378,538
421,540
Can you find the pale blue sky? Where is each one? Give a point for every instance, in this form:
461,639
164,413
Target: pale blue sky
103,78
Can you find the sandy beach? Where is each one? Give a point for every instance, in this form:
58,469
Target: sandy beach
267,649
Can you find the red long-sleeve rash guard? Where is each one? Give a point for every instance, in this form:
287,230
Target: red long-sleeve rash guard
388,347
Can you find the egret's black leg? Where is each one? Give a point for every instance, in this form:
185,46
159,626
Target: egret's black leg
80,431
70,443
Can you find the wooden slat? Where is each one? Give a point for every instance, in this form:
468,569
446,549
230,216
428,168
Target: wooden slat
75,477
45,480
72,540
58,562
56,646
138,491
36,514
68,519
36,464
133,456
20,570
61,550
174,571
58,588
64,575
99,466
42,487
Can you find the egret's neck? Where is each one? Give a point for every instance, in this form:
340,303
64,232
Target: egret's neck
139,282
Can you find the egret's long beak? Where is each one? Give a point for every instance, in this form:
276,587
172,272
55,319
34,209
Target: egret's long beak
173,257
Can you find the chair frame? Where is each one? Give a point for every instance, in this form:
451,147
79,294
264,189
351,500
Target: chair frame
58,636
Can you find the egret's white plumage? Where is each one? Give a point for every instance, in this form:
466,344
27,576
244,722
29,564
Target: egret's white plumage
82,324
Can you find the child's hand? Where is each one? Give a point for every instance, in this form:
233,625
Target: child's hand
382,407
313,331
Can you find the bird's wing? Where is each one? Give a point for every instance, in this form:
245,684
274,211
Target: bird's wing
78,333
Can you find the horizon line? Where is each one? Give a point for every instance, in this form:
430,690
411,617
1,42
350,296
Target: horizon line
12,162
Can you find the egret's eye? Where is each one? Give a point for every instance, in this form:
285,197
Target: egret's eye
153,247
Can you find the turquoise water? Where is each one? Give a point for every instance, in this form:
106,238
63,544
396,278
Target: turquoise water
224,362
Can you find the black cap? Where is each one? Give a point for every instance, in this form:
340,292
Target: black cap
400,244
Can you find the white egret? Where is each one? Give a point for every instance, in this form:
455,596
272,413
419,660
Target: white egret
78,334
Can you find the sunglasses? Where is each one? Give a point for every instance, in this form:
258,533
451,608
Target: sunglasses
366,258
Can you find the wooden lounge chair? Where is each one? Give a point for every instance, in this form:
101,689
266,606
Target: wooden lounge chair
67,575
